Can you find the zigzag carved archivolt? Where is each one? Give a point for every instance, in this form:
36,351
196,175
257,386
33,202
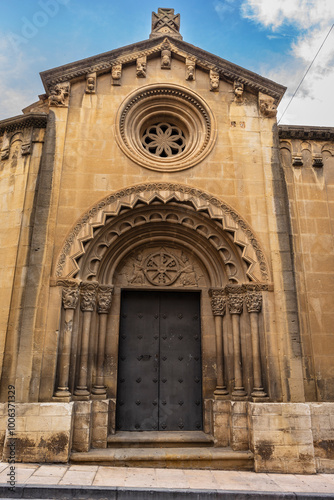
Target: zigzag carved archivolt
111,206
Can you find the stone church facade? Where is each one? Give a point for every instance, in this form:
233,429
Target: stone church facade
167,267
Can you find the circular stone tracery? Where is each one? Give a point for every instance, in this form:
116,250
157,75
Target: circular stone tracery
164,140
178,122
161,268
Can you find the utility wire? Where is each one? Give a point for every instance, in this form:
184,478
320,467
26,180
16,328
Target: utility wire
308,69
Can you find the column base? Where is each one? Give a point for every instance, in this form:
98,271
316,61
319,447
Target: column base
81,391
220,392
99,392
62,392
239,392
258,392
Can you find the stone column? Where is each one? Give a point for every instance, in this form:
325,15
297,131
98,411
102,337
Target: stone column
103,307
87,304
254,305
235,304
70,297
218,305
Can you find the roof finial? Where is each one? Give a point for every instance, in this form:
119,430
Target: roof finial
165,22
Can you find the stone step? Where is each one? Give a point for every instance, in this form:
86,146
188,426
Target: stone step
173,458
156,439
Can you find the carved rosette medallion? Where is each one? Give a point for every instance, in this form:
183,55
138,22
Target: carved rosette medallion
88,297
235,303
218,302
104,296
161,268
254,302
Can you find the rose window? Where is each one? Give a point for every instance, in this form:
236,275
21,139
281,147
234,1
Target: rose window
164,140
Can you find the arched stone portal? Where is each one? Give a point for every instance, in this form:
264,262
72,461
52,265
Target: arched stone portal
161,238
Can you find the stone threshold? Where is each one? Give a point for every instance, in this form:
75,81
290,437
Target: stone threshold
173,458
160,439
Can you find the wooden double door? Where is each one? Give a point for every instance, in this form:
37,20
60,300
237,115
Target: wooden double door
159,367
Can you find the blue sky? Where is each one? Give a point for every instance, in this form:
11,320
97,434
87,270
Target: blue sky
275,39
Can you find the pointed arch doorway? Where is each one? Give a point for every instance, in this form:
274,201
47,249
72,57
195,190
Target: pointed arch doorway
159,368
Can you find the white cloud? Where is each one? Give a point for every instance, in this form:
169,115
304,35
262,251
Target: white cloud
311,21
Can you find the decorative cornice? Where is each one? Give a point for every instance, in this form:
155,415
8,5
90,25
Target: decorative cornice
300,132
102,63
36,120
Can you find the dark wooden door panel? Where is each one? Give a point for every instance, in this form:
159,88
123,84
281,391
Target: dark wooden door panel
159,380
138,365
180,365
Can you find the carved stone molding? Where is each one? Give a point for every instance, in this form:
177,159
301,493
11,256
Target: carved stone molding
141,66
59,95
88,296
267,105
235,303
90,83
214,80
116,74
218,211
218,301
254,302
104,298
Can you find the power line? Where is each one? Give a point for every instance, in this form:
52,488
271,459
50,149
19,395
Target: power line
308,69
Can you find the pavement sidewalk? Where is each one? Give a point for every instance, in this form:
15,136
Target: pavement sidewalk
157,482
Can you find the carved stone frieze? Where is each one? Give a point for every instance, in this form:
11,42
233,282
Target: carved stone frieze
59,95
214,80
116,74
88,296
267,105
218,301
254,301
90,83
104,297
141,67
162,267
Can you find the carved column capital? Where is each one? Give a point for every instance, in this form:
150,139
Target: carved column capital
104,295
218,301
254,301
70,293
235,303
88,296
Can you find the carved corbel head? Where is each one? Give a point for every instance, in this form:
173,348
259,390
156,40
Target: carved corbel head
190,69
116,74
141,67
267,105
166,59
238,89
214,81
91,83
